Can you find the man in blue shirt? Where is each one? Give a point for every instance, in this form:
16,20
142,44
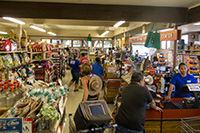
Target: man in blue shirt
178,80
97,68
74,65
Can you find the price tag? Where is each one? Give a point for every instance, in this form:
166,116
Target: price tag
27,125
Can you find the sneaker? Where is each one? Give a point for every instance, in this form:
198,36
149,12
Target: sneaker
75,90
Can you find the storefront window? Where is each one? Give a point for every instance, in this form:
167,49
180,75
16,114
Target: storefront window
87,44
185,38
163,44
98,44
107,44
77,43
54,41
48,40
67,42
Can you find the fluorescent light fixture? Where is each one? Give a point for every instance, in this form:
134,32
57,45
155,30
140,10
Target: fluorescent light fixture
198,23
51,33
14,20
106,32
2,32
119,23
37,28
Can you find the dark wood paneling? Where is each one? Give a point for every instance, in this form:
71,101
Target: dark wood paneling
92,12
194,14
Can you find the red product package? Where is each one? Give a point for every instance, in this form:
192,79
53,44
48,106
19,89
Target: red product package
5,45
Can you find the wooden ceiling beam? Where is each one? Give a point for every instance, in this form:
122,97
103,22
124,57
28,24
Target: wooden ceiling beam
92,12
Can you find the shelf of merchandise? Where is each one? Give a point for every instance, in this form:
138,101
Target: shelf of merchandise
56,123
40,59
54,48
10,52
190,50
190,54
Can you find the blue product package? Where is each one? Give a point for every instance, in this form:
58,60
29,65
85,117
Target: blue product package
11,125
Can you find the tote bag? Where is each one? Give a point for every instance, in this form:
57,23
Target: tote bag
153,39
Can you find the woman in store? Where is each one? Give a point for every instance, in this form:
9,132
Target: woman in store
91,89
74,65
180,79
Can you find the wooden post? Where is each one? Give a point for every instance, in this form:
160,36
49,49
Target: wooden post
174,52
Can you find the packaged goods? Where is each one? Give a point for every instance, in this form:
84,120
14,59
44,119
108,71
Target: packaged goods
8,61
16,60
1,63
24,40
5,45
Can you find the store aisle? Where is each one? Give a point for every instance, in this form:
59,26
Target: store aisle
75,98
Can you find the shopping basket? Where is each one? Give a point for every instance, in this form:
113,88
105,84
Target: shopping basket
72,127
191,125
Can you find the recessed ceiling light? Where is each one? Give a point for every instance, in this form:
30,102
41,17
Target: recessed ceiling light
119,23
103,34
51,33
198,23
2,32
37,28
14,20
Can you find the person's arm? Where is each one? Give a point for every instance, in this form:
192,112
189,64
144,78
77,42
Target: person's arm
84,82
168,97
153,106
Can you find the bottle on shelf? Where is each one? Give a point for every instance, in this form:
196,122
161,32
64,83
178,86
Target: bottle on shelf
11,97
17,97
3,97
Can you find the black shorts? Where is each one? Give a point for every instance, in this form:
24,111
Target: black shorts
75,77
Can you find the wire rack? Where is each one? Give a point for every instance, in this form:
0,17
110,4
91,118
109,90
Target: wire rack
191,125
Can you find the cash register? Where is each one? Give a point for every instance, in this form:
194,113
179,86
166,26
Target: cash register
193,102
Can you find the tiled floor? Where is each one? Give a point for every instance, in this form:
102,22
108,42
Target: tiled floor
75,98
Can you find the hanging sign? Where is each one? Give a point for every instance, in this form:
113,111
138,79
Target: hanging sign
171,35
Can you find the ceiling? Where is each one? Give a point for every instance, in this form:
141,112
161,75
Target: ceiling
81,28
166,3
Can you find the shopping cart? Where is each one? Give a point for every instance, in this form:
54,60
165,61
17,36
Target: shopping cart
72,128
191,125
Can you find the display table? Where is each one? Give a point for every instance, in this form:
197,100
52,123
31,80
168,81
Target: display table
59,122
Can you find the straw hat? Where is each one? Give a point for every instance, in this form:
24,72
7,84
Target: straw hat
95,85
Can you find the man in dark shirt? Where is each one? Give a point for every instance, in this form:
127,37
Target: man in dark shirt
131,114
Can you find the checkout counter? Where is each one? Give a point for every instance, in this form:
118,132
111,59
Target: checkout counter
171,119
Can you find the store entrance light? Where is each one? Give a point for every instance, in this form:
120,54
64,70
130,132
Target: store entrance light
103,34
4,33
51,33
14,20
37,28
119,23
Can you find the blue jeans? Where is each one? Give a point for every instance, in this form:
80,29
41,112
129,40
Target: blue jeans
121,129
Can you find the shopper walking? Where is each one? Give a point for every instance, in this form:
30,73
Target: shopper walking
91,83
180,79
97,68
74,65
83,59
131,114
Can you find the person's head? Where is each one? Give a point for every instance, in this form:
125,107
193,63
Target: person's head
137,77
75,56
136,50
86,69
83,54
182,68
98,60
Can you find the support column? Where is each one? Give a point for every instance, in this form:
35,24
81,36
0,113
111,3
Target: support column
174,52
